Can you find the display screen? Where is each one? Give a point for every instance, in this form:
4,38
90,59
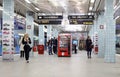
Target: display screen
64,41
75,42
19,23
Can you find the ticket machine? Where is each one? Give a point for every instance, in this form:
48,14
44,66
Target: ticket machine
64,45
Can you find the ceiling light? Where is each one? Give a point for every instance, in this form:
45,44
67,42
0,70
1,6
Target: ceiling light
90,8
27,1
92,1
89,13
54,2
37,8
1,8
117,17
73,28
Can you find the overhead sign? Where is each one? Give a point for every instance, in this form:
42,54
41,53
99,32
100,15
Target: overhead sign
50,22
81,19
75,22
50,17
88,17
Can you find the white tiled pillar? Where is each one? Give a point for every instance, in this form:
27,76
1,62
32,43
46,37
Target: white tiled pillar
55,33
30,27
8,35
101,36
109,32
49,32
41,34
95,36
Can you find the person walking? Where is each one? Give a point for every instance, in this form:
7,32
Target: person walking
88,47
26,41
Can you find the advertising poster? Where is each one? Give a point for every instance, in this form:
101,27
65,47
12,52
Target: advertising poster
19,23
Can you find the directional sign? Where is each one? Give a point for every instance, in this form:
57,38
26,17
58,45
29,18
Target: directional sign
50,17
48,22
81,22
81,17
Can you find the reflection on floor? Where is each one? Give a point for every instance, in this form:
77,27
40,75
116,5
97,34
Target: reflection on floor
52,66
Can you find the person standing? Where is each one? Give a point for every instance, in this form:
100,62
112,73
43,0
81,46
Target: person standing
26,41
75,48
88,47
55,45
21,48
50,47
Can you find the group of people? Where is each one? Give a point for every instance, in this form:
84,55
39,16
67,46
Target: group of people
52,46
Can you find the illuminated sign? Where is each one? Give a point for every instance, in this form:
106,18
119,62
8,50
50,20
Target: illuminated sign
90,22
50,17
48,22
81,19
87,17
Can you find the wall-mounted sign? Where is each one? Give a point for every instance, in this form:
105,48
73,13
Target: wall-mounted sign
29,27
101,26
50,17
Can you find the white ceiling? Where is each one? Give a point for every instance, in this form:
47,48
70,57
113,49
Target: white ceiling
60,6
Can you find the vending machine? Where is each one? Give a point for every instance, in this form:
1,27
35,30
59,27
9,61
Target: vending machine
64,45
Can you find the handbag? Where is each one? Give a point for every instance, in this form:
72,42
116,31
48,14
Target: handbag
91,46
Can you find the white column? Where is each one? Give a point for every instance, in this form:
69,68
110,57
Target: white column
109,32
41,34
49,32
30,27
101,36
8,35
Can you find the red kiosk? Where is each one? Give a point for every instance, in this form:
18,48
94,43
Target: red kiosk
64,45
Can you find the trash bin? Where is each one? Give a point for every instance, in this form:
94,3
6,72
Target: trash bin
40,49
34,48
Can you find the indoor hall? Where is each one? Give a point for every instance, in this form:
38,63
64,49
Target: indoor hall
56,33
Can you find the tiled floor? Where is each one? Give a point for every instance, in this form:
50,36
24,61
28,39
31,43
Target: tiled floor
52,66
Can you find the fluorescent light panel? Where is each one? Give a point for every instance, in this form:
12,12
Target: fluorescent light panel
27,1
37,8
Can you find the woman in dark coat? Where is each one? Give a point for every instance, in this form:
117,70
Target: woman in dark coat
88,46
26,41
